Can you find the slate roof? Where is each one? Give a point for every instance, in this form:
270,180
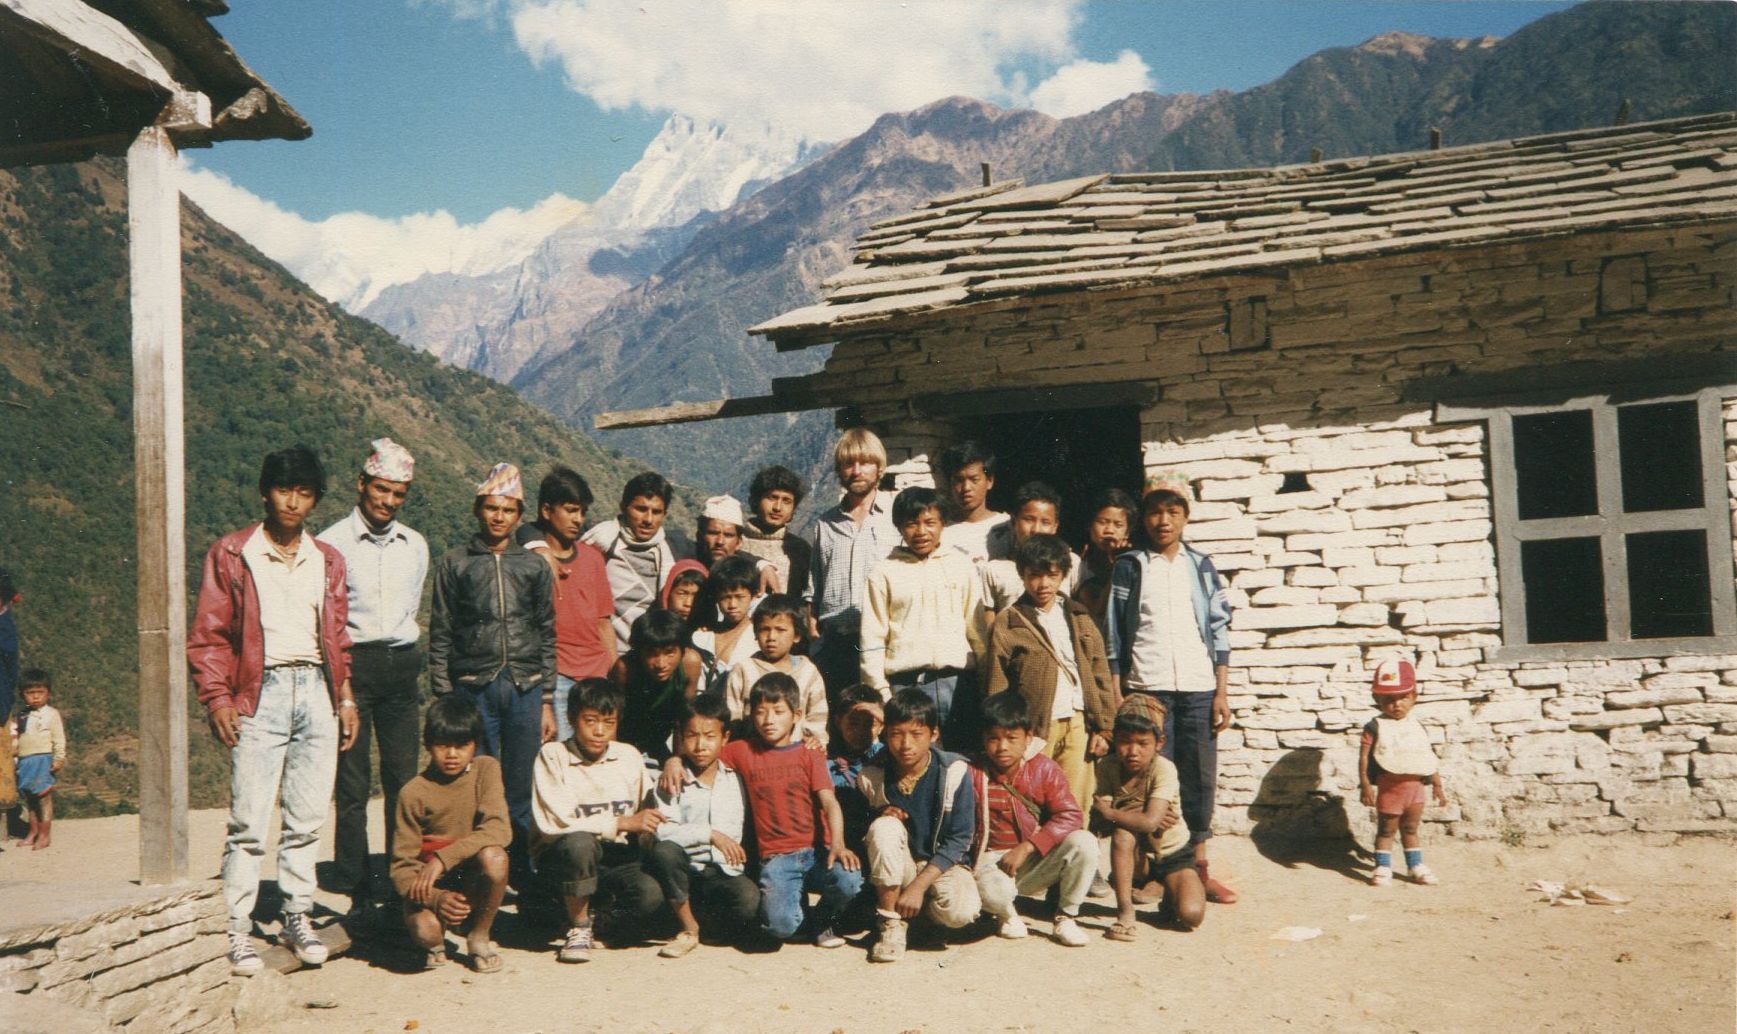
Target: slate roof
1113,231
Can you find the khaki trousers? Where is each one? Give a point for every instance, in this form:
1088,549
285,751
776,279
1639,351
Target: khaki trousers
952,900
1067,744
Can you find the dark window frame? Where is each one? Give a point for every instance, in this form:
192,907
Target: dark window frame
1610,525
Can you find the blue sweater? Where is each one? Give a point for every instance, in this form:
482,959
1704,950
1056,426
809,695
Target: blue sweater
1211,608
941,836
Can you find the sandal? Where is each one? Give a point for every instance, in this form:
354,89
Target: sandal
435,958
484,963
1122,931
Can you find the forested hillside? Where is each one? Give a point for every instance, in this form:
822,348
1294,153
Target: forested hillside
268,364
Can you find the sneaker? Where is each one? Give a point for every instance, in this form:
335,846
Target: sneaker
577,947
1012,928
299,936
1421,873
683,943
1068,932
1382,876
890,945
243,960
828,938
1100,888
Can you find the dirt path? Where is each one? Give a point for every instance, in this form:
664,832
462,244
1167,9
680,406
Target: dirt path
1479,952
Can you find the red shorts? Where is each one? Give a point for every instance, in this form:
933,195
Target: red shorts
1396,793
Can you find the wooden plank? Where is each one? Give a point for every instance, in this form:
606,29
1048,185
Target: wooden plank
154,257
94,37
1027,400
716,409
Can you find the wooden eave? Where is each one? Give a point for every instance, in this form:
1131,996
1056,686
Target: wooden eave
82,78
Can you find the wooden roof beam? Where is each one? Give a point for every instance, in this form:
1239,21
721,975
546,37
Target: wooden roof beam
94,37
716,409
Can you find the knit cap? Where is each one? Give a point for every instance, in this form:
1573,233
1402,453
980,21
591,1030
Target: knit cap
389,461
1143,705
1171,481
503,480
723,508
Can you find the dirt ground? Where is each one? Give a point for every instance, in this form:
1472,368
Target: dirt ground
1479,952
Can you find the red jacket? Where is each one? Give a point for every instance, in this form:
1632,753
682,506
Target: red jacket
1041,781
225,648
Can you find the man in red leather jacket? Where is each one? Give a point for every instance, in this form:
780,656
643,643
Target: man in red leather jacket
270,659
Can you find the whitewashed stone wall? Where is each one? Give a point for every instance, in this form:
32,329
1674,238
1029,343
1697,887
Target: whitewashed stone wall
1390,550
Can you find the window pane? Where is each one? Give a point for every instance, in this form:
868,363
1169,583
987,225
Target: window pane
1564,590
1661,456
1668,589
1553,468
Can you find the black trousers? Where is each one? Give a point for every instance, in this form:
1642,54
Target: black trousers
584,866
726,905
384,682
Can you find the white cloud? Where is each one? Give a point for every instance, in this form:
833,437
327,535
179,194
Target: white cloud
352,256
1085,86
825,70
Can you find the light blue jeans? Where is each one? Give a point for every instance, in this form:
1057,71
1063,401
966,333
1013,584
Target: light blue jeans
784,878
287,755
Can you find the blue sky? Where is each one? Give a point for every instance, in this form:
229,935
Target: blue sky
417,108
455,135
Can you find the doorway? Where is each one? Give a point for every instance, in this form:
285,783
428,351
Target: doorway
1079,452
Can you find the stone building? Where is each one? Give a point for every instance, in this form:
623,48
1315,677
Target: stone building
1473,406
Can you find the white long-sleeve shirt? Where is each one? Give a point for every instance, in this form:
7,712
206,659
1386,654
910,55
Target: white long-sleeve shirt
921,613
572,795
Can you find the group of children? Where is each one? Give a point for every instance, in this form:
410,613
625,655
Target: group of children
1015,705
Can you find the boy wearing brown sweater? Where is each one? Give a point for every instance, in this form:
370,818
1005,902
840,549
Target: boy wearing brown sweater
449,845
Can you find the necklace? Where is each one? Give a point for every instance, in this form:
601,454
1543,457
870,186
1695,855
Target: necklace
908,784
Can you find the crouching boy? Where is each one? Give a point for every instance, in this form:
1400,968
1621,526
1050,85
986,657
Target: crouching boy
449,845
697,854
787,785
1032,827
920,845
590,796
1138,802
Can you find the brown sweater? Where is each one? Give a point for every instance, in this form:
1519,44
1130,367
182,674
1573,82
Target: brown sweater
470,810
1021,658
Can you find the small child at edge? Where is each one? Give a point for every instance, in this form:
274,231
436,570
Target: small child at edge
1395,763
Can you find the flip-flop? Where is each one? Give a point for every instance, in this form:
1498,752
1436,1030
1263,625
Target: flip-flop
490,963
1122,932
435,958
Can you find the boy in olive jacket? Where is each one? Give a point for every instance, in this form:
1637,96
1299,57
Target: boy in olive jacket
1048,649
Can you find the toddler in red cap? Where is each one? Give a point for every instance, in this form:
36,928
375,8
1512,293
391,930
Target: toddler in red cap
1396,763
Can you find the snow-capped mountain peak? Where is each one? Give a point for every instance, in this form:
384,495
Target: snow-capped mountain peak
692,167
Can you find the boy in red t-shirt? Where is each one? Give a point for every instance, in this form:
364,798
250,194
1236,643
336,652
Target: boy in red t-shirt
787,784
584,603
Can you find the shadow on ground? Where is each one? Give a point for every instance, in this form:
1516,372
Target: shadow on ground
1297,822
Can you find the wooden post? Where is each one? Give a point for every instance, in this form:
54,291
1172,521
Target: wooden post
154,255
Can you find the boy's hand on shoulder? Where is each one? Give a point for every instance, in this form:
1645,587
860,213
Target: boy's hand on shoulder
1368,795
732,851
811,741
422,891
1010,862
670,782
894,812
646,820
839,854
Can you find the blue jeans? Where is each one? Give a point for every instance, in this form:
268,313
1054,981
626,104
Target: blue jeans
563,690
512,733
287,754
785,877
1191,744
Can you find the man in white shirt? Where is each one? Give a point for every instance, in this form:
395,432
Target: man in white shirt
387,563
1168,635
968,474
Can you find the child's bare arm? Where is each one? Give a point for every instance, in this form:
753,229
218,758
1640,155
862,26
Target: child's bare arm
1135,820
835,849
1365,787
1441,796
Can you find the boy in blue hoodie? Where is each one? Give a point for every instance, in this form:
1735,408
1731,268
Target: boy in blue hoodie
1168,635
921,847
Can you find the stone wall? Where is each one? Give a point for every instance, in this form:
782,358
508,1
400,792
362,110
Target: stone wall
1388,549
155,966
